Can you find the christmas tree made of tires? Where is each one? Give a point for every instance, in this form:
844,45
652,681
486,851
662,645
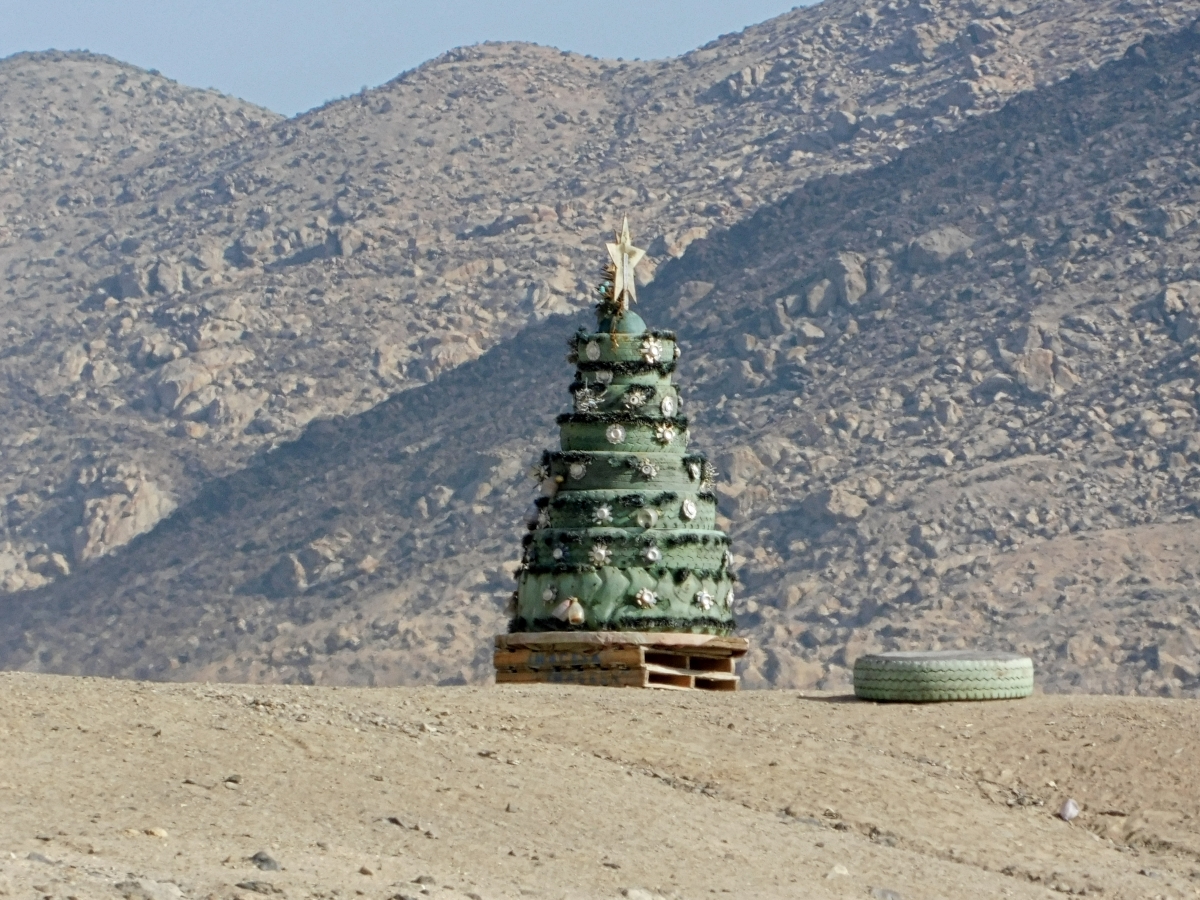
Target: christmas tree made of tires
625,538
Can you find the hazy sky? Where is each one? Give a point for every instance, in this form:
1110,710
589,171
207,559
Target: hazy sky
294,55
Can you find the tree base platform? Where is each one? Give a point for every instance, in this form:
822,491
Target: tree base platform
620,659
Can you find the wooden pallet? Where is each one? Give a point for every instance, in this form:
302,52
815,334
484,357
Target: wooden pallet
619,659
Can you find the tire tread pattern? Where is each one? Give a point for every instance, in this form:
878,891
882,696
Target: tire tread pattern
938,677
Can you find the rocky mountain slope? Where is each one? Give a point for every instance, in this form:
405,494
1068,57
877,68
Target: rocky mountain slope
952,400
190,280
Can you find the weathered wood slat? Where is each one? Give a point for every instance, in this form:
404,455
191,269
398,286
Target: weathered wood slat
594,677
620,657
690,673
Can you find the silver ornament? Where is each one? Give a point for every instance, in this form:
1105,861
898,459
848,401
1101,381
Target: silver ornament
559,553
634,398
664,433
600,555
678,352
592,351
667,406
550,594
651,350
615,434
729,599
586,401
652,554
577,470
704,600
603,376
688,510
645,598
647,518
603,515
543,519
694,471
727,558
647,468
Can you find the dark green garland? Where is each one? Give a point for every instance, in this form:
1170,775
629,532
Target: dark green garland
670,539
567,500
571,502
621,418
648,389
679,576
588,456
627,367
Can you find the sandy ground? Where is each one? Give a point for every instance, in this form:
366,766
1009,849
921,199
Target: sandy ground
154,791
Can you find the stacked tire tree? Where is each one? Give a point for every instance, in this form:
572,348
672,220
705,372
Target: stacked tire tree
625,578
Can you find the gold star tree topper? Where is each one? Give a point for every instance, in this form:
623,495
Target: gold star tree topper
625,258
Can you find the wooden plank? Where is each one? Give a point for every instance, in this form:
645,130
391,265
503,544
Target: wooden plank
594,677
697,644
688,673
618,657
665,676
666,687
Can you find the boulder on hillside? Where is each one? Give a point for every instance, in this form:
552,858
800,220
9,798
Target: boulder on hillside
1181,305
166,278
836,503
741,463
819,297
677,243
181,378
287,577
845,271
134,506
934,249
1167,220
130,283
1040,372
448,351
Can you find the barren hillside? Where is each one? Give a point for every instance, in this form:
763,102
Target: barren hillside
952,399
189,280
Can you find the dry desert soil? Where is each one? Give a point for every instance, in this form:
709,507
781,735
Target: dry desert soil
160,791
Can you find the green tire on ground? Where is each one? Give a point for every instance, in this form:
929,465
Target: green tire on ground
940,675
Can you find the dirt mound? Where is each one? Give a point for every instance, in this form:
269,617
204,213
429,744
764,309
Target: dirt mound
121,789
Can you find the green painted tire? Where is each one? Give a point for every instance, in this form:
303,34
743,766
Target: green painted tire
941,675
